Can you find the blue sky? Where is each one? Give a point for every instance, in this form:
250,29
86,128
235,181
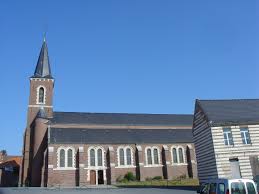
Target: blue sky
140,56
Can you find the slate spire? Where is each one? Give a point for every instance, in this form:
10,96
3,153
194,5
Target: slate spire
43,66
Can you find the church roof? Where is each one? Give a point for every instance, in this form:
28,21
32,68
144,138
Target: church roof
122,119
43,66
231,112
41,113
119,136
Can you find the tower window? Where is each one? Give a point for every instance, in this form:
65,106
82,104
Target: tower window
41,95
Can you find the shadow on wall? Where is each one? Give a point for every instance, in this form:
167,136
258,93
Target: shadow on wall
77,169
38,165
189,162
9,175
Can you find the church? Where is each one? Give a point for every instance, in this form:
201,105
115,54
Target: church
70,149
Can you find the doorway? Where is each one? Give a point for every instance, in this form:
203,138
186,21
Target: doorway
100,177
92,177
235,168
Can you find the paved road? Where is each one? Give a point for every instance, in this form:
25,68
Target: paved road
94,191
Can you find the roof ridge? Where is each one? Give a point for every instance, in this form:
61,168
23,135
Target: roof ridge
231,99
123,113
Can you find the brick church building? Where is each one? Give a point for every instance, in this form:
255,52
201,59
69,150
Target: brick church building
80,149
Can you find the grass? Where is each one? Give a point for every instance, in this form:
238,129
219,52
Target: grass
165,183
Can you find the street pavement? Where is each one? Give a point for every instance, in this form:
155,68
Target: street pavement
94,191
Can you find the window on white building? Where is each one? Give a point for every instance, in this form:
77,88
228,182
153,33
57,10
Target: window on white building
245,136
228,139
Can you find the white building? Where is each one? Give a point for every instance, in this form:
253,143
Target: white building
226,137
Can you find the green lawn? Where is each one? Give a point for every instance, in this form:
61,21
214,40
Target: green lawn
184,182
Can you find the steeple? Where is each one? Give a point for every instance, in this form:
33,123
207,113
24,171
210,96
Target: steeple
43,66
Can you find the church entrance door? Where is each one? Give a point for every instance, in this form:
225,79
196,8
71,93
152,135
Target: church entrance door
100,177
92,177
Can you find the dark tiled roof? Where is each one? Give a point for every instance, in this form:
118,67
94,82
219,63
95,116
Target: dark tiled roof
41,113
119,136
121,119
231,112
43,66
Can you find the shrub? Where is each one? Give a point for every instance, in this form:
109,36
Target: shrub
181,177
157,178
129,176
148,179
119,179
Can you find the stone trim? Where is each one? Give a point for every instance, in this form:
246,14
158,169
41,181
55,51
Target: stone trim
50,166
153,165
81,149
66,168
81,165
37,106
42,79
126,166
51,149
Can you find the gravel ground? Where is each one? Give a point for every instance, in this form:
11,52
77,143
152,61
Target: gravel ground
94,191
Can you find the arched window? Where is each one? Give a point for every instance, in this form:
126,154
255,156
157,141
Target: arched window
122,162
62,158
41,95
69,158
92,157
155,154
128,155
175,160
181,160
149,156
100,157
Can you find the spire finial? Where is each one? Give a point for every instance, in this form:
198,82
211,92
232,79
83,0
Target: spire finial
44,37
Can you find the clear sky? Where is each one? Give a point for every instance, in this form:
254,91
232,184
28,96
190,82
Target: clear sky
134,56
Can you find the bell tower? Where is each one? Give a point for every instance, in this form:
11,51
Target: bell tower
40,100
41,86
